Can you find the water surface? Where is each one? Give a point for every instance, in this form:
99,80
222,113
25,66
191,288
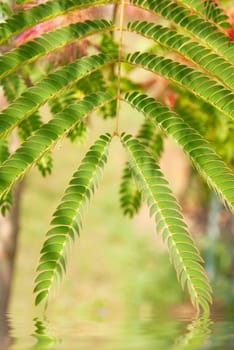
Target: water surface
154,333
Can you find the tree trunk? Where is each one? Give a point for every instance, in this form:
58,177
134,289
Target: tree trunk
9,228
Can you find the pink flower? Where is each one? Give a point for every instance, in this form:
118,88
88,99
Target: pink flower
170,99
231,30
58,22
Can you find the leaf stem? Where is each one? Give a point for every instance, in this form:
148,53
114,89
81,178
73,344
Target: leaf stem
114,19
121,19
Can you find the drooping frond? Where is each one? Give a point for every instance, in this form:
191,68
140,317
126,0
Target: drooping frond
49,42
6,201
47,88
78,132
204,57
151,138
130,197
203,156
45,164
207,32
4,152
208,122
193,80
26,19
13,86
169,222
67,219
29,125
44,139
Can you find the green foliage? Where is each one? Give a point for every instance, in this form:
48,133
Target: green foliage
197,57
30,100
45,139
203,156
207,32
211,10
218,130
48,43
4,153
196,82
67,219
187,47
13,86
130,197
6,201
5,10
169,222
43,12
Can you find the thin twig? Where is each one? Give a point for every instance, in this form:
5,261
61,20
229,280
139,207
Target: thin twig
121,19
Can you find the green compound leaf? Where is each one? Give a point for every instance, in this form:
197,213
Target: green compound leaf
209,164
46,89
13,86
169,222
195,81
26,19
188,48
6,201
45,138
205,31
130,197
209,9
48,43
67,219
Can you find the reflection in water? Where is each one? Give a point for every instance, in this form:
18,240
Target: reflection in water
5,339
44,341
196,336
167,334
150,334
